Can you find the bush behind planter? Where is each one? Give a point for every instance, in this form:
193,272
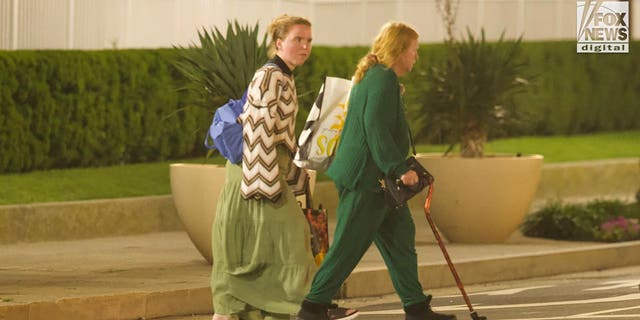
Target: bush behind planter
570,93
581,93
62,109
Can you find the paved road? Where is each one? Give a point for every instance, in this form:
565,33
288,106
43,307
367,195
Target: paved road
612,294
609,294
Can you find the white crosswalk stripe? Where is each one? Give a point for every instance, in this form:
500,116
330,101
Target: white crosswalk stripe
610,285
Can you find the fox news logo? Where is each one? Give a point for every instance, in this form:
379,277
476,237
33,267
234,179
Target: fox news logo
603,26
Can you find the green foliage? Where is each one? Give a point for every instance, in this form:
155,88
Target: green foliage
64,109
572,94
600,220
470,91
581,93
222,66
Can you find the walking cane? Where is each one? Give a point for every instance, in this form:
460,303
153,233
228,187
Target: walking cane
427,213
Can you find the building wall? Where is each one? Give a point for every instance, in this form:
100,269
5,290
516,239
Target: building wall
103,24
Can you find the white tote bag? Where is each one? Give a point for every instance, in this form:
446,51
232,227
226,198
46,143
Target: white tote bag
321,134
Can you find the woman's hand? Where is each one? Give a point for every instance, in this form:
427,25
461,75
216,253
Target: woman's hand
409,178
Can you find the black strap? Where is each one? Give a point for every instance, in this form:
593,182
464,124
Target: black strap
413,146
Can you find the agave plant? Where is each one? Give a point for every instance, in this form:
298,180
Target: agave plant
470,92
221,67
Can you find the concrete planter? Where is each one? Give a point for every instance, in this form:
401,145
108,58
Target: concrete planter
481,200
195,189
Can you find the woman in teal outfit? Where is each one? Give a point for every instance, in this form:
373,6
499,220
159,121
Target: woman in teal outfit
374,143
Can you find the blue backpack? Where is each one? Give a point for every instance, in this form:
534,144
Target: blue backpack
225,131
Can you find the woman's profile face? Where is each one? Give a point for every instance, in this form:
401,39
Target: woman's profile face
405,61
295,48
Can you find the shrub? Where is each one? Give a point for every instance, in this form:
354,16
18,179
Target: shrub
599,220
471,91
65,109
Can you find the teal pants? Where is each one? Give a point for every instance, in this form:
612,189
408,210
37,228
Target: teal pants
363,218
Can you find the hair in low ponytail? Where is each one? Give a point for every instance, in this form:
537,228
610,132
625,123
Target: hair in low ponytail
391,41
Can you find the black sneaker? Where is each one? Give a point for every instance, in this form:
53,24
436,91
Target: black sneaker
422,311
337,313
315,311
312,311
307,315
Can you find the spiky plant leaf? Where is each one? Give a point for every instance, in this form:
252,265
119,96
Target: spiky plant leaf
221,66
471,91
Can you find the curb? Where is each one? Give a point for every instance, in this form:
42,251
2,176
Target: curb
134,305
56,221
363,282
571,182
376,281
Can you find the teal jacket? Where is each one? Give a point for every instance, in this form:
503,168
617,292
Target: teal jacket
375,138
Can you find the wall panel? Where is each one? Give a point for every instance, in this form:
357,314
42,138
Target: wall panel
101,24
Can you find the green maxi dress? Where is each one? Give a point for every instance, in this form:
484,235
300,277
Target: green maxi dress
262,261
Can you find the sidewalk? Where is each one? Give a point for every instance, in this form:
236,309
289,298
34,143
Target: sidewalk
162,274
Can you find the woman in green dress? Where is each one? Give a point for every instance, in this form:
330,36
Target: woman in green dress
262,261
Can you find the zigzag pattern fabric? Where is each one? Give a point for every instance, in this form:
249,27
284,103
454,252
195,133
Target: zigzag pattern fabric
268,120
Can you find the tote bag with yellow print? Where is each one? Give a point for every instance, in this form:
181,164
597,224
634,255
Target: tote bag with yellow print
319,138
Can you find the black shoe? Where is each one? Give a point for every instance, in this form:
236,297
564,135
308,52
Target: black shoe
337,313
475,316
312,311
422,311
316,311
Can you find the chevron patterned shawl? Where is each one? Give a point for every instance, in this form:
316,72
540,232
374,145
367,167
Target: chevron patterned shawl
268,120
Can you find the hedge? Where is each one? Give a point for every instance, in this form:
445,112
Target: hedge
582,93
61,109
569,93
91,108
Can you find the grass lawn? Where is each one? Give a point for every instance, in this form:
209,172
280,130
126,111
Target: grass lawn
624,144
153,178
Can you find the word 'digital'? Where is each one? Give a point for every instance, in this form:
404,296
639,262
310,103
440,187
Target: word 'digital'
603,26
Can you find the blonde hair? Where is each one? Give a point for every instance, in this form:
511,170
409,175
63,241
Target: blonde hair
391,41
279,28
